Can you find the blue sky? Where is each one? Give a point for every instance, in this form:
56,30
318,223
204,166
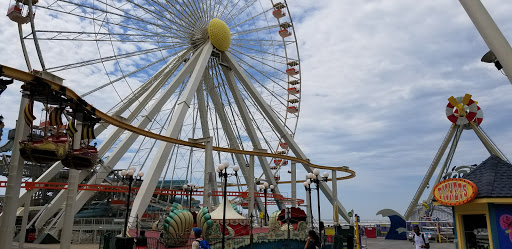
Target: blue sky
376,77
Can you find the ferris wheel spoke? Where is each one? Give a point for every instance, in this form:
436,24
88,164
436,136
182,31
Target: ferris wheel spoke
254,30
178,26
263,61
116,57
133,72
97,36
239,11
251,18
285,58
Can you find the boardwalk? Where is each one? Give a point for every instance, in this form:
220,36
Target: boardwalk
378,243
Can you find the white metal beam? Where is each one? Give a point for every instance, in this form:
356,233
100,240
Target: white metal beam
251,132
157,165
103,172
277,124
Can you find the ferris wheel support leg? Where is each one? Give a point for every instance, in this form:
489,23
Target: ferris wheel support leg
209,176
277,124
251,132
430,171
69,215
488,143
12,192
490,33
24,220
157,165
157,81
250,186
226,127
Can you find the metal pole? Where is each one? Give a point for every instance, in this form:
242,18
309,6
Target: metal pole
265,192
130,180
12,192
310,210
294,184
490,33
225,175
251,193
319,220
335,196
69,216
24,220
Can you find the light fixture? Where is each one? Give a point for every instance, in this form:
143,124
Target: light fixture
490,57
316,172
131,172
311,176
306,184
185,187
265,184
140,174
271,186
236,168
326,174
123,172
132,168
217,170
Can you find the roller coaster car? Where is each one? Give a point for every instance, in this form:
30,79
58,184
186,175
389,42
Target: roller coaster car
83,158
47,150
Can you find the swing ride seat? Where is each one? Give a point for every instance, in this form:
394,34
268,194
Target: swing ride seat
83,158
47,150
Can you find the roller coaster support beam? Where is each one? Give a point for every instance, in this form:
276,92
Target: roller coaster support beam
69,215
277,124
490,33
12,193
430,171
293,171
157,165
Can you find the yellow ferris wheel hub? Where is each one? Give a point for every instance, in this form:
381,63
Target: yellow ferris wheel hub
219,33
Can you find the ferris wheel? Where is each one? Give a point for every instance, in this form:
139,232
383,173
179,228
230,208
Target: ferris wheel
229,70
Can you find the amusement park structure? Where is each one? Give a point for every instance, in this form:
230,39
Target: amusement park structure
197,83
465,114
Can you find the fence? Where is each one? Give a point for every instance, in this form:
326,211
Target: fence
334,242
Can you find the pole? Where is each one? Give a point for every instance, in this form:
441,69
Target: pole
251,193
310,210
130,180
12,192
335,195
24,220
225,175
490,33
294,184
265,192
319,220
69,215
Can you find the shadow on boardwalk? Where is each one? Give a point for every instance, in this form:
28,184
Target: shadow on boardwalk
380,243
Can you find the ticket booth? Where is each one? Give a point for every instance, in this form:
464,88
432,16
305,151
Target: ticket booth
482,205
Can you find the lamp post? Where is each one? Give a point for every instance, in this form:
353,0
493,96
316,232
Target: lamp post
190,188
128,176
222,171
315,178
264,187
307,186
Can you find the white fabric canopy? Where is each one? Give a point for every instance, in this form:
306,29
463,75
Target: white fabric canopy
231,214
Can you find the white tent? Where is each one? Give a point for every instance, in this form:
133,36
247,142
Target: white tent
231,214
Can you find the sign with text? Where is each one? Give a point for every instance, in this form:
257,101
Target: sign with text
455,191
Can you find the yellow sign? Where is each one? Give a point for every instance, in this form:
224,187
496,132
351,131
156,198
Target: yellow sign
455,191
329,231
261,215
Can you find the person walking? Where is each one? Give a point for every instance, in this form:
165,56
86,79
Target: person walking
420,241
313,241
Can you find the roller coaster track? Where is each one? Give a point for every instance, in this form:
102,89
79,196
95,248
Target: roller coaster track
69,94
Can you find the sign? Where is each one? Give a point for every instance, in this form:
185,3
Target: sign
261,215
455,191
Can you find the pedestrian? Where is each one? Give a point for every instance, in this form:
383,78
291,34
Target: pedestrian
420,241
199,243
313,241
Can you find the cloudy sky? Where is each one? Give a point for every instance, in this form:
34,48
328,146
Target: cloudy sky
376,76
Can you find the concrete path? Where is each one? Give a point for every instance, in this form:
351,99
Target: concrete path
380,243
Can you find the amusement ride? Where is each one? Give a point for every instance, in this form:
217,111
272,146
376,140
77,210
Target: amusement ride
167,88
